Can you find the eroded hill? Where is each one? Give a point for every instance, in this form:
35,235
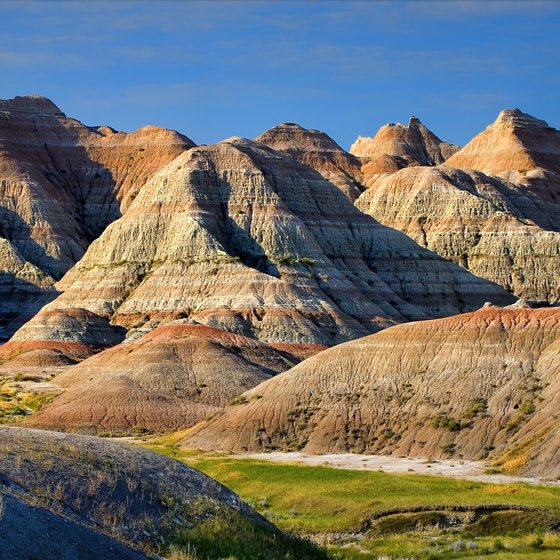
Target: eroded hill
470,386
238,236
61,184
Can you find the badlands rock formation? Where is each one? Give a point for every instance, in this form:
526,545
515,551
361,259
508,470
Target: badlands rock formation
319,151
69,497
465,386
515,141
478,221
396,146
239,237
171,378
525,151
22,286
57,335
500,230
61,184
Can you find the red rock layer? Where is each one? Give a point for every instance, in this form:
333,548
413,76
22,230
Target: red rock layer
171,378
465,386
43,353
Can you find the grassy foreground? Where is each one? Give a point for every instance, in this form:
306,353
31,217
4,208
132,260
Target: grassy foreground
332,505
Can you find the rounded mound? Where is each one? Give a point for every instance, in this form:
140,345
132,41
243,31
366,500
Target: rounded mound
171,378
138,497
468,386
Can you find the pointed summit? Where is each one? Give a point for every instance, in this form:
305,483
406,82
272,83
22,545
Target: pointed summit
515,141
319,151
396,146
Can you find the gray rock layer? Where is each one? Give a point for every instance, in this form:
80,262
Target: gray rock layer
240,237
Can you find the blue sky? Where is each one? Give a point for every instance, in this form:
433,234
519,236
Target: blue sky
217,69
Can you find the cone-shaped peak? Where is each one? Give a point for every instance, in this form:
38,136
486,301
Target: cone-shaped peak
396,146
319,151
514,141
293,136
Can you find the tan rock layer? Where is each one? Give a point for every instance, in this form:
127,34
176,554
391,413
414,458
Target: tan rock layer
240,237
465,386
320,152
171,378
62,183
482,223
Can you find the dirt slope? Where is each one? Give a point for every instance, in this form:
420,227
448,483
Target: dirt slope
467,386
171,378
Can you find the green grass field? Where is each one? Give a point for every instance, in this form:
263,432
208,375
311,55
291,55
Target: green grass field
330,505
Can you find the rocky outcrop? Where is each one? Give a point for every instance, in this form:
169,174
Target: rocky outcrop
468,386
482,223
38,354
57,336
514,142
127,502
396,146
524,151
71,325
23,288
240,237
319,151
62,183
171,378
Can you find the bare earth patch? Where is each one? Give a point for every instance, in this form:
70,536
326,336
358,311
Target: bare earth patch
466,470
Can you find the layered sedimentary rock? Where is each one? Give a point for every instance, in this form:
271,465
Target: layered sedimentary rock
501,223
22,286
62,183
515,141
396,146
481,222
239,237
171,378
465,386
522,150
60,335
319,151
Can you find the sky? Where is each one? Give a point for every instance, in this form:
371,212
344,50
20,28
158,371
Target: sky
215,69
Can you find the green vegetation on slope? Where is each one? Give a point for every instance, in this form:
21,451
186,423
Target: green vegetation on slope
137,497
335,507
16,403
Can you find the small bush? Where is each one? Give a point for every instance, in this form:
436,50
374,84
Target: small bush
445,422
499,545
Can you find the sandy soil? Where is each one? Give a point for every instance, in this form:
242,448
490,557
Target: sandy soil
467,470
